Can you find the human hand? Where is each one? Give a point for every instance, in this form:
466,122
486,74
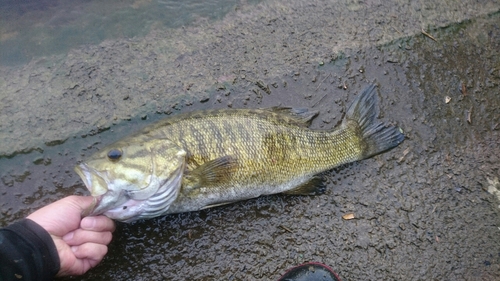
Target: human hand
81,243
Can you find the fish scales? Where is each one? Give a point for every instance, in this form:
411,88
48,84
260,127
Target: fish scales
270,150
261,142
208,158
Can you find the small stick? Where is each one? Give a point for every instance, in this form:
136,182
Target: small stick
428,35
323,80
319,100
286,228
396,29
469,115
404,154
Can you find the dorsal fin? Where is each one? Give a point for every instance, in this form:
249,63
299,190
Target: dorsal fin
298,116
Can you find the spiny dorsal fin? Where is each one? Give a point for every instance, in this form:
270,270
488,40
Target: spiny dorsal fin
315,186
298,116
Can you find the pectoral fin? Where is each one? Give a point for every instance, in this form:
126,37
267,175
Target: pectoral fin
210,173
315,186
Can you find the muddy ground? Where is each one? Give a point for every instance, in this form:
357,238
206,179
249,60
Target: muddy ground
428,209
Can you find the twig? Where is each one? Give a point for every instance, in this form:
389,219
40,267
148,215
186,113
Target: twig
319,100
404,154
318,88
286,228
464,89
428,35
323,80
396,29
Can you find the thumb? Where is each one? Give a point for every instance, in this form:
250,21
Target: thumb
84,204
87,203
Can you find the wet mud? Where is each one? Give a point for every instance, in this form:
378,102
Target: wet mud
428,209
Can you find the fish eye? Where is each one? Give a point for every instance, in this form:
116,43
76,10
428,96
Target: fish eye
114,154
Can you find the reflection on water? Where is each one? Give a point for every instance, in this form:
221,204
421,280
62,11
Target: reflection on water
36,28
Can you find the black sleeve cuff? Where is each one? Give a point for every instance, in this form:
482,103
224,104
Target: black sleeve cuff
27,252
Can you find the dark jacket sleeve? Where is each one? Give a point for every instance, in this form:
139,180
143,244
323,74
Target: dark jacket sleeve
27,252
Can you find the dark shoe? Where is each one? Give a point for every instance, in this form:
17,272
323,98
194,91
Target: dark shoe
310,271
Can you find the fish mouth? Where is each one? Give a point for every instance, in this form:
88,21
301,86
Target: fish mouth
83,171
86,174
93,179
155,205
120,205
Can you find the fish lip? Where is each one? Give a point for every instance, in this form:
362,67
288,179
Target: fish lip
84,172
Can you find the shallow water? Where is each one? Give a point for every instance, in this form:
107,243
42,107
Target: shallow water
34,28
422,210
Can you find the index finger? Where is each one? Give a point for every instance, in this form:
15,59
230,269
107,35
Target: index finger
98,223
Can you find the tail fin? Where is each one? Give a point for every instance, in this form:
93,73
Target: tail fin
377,136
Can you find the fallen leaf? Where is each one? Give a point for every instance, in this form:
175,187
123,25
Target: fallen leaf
349,216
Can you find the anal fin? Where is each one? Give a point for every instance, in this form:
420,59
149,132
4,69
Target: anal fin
315,186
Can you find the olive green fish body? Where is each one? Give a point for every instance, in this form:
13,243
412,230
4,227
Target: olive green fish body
262,152
208,158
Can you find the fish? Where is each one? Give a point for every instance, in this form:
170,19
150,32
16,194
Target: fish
202,159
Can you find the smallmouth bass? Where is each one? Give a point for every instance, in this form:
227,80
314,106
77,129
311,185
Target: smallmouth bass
208,158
